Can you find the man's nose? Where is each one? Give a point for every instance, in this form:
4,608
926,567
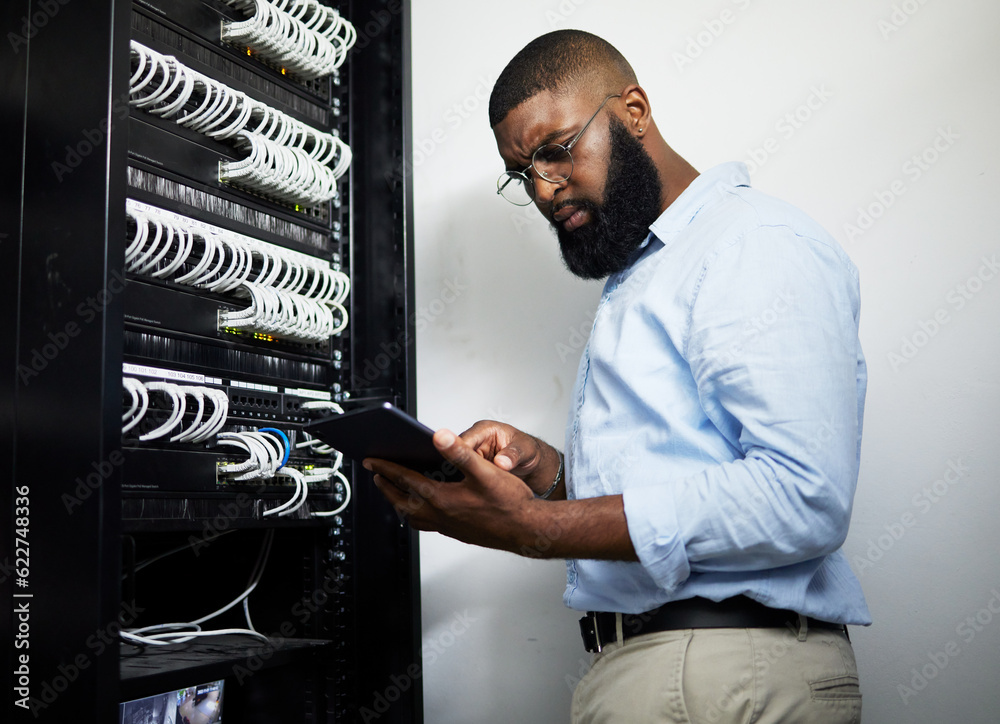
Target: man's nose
545,191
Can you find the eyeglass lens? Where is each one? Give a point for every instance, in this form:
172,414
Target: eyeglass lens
516,188
552,162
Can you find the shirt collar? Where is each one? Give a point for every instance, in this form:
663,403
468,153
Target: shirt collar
681,213
685,207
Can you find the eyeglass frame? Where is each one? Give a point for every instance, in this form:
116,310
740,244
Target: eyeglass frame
530,183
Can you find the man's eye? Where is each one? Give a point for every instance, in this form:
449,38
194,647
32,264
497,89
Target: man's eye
550,152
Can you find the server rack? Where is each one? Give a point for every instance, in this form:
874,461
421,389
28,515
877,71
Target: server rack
92,510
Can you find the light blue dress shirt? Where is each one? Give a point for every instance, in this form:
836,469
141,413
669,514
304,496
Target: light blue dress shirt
721,393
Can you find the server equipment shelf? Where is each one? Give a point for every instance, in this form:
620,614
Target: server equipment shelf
177,302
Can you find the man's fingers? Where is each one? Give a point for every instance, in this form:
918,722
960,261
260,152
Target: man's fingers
483,432
512,457
406,505
458,452
486,437
403,479
391,492
516,458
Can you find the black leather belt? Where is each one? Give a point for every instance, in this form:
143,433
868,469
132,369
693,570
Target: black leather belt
600,629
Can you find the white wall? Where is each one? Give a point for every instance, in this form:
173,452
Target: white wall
503,318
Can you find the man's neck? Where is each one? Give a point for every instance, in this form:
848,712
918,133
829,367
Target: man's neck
676,177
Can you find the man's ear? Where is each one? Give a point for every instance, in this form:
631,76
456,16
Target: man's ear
637,108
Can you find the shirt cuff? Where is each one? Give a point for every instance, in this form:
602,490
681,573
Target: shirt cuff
655,533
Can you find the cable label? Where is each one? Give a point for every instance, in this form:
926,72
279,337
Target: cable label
133,369
312,394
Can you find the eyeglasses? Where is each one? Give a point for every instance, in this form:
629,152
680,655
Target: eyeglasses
553,162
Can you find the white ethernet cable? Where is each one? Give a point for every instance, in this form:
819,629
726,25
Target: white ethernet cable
315,445
197,431
217,420
309,39
323,475
199,396
165,634
267,454
178,406
253,463
277,450
318,447
267,457
288,174
293,295
284,315
297,499
347,498
264,458
322,405
136,411
266,461
286,159
284,269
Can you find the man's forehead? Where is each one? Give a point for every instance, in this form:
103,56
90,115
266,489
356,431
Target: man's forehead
543,118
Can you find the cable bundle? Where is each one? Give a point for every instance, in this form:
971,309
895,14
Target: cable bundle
309,39
286,159
201,427
292,295
318,447
285,315
268,449
165,634
314,445
346,493
267,453
268,456
288,174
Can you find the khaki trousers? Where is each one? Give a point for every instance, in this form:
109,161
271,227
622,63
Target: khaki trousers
755,675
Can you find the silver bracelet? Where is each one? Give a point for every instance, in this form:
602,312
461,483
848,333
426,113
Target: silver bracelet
555,483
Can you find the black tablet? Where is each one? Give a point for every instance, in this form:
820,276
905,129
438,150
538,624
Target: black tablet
384,431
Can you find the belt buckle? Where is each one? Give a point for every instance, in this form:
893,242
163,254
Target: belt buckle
590,632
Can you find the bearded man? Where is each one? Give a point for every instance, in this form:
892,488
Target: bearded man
713,442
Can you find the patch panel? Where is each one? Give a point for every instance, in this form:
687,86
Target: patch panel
247,401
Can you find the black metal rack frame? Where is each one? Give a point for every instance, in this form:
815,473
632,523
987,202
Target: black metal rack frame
65,156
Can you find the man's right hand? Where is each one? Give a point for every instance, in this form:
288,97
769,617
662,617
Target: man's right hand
517,452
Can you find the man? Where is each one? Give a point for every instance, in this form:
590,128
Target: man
714,435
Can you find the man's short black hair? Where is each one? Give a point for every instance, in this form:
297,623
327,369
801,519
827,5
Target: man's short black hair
554,61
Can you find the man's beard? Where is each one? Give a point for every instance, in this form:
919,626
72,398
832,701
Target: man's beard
632,197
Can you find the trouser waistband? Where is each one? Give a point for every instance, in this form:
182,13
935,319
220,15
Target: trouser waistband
601,628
